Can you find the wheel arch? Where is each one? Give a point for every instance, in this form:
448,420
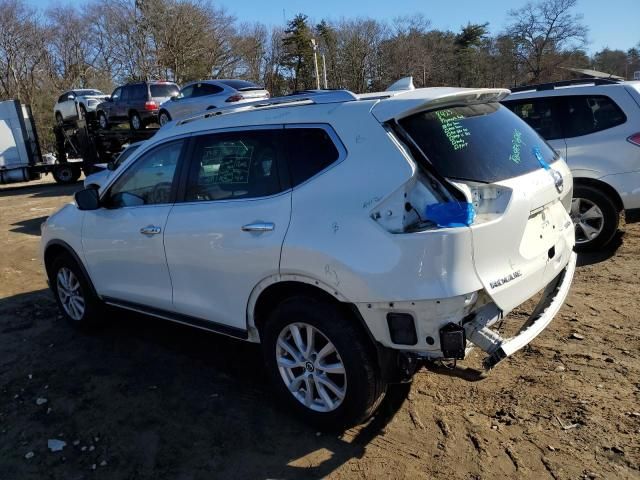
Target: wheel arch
57,247
273,290
602,186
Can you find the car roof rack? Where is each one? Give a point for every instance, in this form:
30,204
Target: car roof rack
565,83
312,97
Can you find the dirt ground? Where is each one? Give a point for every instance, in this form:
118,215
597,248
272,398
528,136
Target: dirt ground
146,399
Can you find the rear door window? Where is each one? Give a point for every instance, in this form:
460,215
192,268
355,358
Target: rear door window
591,113
235,165
483,143
203,89
311,150
542,114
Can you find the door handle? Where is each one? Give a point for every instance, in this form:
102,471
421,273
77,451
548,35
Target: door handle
150,230
259,227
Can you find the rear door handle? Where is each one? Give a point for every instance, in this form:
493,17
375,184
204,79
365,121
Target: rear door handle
259,227
150,230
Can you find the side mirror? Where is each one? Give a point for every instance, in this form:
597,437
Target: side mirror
87,199
111,166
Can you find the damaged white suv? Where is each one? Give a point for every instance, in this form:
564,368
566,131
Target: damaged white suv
351,235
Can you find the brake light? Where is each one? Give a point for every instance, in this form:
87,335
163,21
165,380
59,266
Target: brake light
150,105
234,98
635,139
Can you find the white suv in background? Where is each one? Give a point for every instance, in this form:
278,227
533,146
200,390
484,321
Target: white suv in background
85,99
352,236
595,125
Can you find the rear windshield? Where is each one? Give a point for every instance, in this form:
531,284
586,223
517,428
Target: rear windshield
484,143
241,85
163,90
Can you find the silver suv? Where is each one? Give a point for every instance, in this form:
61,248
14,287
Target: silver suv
595,126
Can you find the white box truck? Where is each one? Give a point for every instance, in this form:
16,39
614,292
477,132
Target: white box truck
19,147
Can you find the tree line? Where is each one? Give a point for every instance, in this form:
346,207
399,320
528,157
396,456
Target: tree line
104,43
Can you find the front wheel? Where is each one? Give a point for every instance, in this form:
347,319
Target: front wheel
163,118
323,367
74,296
595,218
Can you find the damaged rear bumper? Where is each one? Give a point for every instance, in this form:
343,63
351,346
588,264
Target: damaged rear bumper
478,331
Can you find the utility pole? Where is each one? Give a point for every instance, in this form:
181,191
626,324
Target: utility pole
315,61
324,72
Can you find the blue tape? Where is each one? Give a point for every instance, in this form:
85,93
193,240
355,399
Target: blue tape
451,214
538,153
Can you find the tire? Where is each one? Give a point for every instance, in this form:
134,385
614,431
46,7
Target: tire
135,122
360,380
74,295
595,218
66,174
164,118
59,119
103,121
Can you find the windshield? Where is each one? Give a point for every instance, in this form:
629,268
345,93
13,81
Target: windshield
241,85
484,143
164,90
88,92
126,153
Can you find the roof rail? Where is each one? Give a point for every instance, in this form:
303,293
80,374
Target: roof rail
311,97
565,83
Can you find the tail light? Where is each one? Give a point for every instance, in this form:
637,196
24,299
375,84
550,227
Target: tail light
635,139
234,98
150,105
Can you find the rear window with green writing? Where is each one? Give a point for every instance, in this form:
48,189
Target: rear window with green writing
484,143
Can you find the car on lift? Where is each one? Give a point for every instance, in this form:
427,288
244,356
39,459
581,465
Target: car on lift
84,99
353,236
595,125
136,103
207,95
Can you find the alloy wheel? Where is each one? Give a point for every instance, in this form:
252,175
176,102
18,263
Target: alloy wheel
587,218
70,293
135,122
164,119
311,367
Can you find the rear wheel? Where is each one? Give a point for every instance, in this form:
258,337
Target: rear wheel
74,295
322,365
102,120
135,122
595,217
65,174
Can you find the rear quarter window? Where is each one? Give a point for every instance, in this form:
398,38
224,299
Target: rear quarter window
483,143
311,150
591,113
163,90
544,115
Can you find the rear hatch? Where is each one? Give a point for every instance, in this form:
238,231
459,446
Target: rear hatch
520,189
248,91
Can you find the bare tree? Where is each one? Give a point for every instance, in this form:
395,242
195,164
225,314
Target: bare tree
543,31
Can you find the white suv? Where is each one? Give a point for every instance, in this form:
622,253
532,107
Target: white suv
353,236
86,99
595,125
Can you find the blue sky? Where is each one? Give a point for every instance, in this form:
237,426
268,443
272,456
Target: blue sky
612,23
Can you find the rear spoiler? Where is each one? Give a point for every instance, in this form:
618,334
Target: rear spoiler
404,104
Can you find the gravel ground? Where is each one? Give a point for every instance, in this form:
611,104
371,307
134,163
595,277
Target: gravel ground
146,399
